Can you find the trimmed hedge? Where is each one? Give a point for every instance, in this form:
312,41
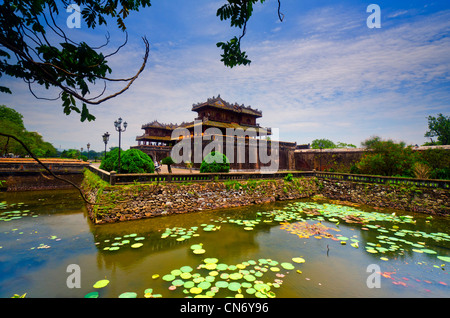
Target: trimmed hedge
215,162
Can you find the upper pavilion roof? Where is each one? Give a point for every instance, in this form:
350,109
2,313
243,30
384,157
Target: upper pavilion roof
218,102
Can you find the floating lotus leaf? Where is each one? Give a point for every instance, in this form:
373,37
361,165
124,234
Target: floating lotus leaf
91,295
189,284
287,266
444,258
211,260
136,245
185,275
101,283
249,278
204,285
210,279
210,266
148,291
234,286
428,251
261,286
178,282
250,291
195,290
186,269
175,272
128,295
222,267
221,284
199,251
236,276
198,279
168,277
298,260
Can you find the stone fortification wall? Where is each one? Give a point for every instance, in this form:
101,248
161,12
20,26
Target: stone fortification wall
137,201
131,202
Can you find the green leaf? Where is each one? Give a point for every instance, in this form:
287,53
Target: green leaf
101,283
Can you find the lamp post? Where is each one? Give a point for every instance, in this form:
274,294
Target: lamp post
120,129
81,154
105,140
88,146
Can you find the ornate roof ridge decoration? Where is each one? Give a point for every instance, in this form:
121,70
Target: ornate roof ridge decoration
220,103
157,124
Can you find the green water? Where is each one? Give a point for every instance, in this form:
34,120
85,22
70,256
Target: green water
42,233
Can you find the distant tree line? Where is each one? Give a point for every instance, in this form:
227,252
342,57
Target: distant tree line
11,122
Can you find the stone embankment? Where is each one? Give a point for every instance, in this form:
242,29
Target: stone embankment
408,198
131,202
137,201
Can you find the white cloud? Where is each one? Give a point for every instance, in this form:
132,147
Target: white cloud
320,85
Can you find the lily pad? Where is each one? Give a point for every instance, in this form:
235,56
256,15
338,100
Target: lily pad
136,245
168,277
91,295
210,260
186,269
298,260
128,295
221,284
189,284
195,290
287,266
101,283
428,251
185,275
234,286
444,258
204,285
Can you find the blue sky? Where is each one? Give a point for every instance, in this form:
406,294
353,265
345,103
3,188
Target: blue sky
321,73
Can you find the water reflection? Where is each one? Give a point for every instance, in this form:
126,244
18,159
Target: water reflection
38,245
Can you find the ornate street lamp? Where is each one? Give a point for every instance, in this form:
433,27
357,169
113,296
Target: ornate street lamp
105,140
120,129
88,146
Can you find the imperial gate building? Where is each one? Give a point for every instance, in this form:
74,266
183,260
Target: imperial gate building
215,119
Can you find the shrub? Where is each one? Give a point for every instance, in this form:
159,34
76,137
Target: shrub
131,161
386,158
168,161
438,160
110,162
136,161
421,170
215,162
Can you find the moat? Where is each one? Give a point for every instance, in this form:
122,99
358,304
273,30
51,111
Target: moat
289,249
